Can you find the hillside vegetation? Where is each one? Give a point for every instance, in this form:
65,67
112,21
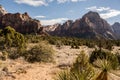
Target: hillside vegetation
74,58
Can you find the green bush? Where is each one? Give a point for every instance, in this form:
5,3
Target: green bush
110,64
97,54
4,55
59,44
104,55
11,38
64,75
14,54
75,46
40,53
81,70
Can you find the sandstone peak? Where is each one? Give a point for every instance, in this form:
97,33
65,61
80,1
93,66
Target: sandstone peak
116,24
116,29
22,23
92,14
2,10
91,25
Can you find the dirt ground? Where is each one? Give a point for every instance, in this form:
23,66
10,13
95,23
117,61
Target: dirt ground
22,70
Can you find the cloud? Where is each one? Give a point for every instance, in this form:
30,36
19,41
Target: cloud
110,13
53,21
37,3
40,16
105,12
63,1
71,11
100,9
34,3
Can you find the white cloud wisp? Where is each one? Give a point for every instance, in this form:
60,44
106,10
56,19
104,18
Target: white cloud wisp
63,1
53,21
34,3
105,12
37,3
40,16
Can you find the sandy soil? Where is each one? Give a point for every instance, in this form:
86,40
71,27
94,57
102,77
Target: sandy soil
22,70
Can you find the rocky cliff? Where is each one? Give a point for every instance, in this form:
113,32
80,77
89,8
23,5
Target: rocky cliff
22,23
116,29
2,11
91,25
50,28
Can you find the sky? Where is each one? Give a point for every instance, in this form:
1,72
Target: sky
50,12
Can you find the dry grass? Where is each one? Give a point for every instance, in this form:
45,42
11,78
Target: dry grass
42,71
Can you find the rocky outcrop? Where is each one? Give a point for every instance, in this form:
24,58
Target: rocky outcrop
2,11
116,29
22,23
62,30
50,28
91,25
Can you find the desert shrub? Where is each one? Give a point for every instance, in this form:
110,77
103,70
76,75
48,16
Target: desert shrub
118,57
14,54
2,40
81,70
4,55
101,54
90,44
34,38
72,46
40,53
11,38
75,46
97,54
64,75
107,65
59,44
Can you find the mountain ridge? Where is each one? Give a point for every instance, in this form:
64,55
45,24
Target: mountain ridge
22,23
91,25
116,29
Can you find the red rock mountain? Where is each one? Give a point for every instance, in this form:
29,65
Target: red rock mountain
49,28
116,29
2,11
22,23
91,25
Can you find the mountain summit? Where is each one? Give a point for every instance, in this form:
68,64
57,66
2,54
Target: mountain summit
22,23
2,11
91,25
116,29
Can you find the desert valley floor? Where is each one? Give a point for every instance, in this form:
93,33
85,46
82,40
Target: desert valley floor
21,70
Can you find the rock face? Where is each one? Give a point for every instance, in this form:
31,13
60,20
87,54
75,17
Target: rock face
2,11
89,26
22,23
62,30
116,29
50,28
